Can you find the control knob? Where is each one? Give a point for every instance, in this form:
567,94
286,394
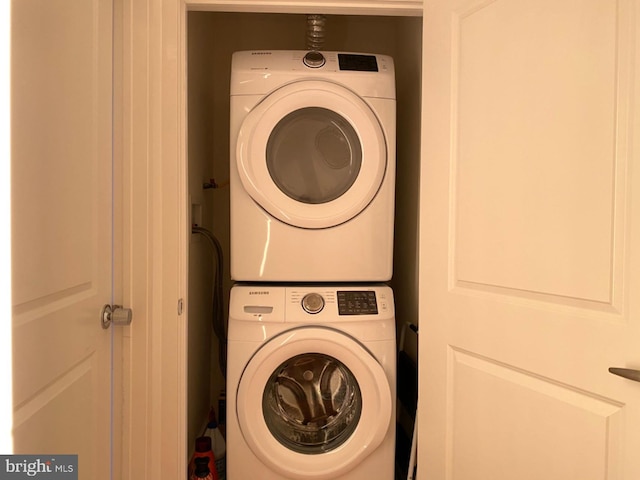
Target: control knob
313,59
313,303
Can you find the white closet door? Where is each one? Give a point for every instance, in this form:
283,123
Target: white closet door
530,240
61,229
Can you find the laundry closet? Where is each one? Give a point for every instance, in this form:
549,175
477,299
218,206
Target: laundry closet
212,37
521,136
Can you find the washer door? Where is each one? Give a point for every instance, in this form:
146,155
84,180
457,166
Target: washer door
312,153
312,403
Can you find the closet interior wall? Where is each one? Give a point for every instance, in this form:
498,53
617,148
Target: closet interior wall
212,38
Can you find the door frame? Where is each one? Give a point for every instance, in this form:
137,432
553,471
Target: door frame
150,241
152,244
6,380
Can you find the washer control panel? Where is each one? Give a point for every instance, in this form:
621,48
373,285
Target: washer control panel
260,312
333,302
311,303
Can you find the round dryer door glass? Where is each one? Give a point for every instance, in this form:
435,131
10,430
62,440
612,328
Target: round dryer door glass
312,403
314,155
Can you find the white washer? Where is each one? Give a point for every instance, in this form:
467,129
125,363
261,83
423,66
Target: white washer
311,383
312,174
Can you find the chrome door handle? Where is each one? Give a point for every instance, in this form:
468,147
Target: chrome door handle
626,373
115,314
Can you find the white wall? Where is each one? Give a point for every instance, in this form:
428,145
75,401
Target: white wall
212,37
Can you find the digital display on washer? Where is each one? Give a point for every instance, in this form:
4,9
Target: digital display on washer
357,63
357,303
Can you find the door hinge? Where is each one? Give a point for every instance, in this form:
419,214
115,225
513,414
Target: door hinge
115,314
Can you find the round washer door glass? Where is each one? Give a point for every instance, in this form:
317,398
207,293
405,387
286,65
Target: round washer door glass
311,403
314,155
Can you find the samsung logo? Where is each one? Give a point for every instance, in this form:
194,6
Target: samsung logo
259,292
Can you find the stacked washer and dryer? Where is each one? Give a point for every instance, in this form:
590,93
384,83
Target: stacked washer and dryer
311,368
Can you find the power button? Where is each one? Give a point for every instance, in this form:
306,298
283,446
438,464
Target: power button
313,303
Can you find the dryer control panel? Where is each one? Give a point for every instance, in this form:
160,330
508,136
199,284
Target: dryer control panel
357,62
260,72
353,62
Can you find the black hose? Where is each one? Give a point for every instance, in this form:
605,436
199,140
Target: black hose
218,318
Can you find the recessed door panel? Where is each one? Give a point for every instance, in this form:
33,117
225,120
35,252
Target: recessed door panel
508,420
535,131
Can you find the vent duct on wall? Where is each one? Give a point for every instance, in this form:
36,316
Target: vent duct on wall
315,31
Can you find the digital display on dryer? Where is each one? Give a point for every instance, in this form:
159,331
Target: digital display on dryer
357,303
357,63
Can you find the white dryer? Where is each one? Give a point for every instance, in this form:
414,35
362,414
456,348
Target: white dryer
311,382
312,169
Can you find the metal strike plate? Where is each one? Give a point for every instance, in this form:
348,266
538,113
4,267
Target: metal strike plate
115,314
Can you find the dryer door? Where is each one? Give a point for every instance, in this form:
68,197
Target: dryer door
312,153
312,403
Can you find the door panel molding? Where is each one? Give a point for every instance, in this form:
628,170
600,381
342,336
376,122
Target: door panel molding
551,417
502,214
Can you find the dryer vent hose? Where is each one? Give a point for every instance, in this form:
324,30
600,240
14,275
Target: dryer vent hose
315,31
